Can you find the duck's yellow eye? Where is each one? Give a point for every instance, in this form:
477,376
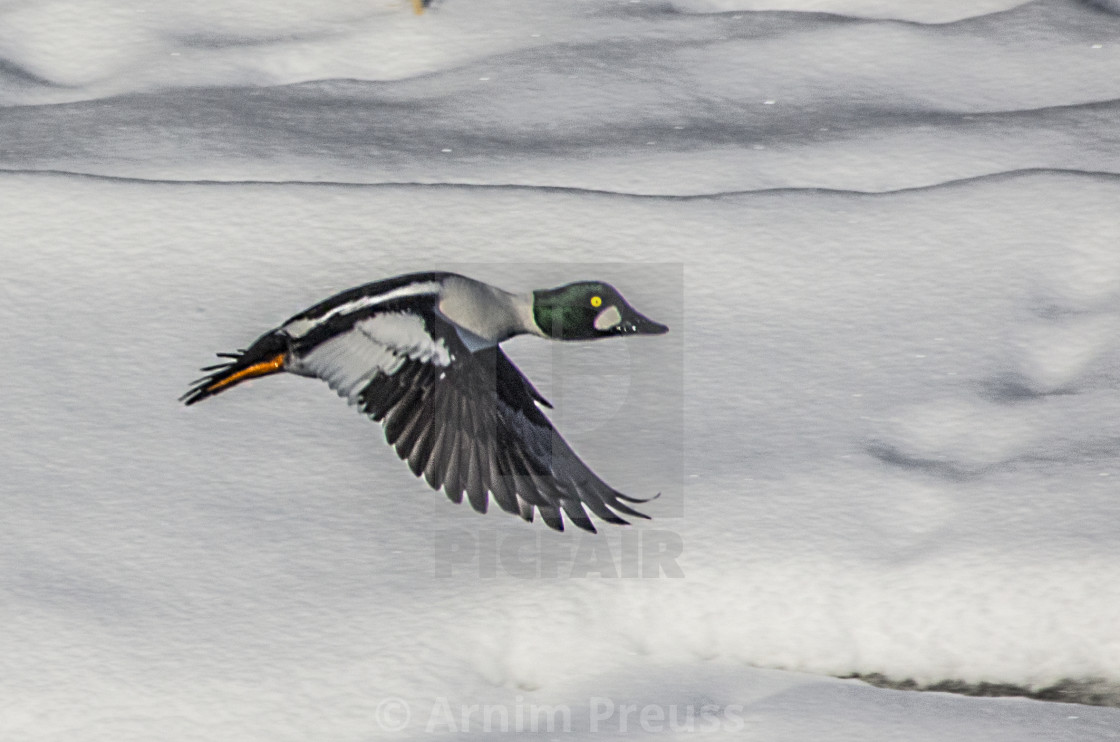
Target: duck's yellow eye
596,301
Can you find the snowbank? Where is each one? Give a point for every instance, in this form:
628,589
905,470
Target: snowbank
863,489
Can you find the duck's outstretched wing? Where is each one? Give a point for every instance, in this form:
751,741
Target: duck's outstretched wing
468,422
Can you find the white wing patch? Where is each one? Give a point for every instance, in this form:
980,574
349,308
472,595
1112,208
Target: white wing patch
300,327
376,345
348,362
407,334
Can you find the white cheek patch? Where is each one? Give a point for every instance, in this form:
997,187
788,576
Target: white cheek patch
607,318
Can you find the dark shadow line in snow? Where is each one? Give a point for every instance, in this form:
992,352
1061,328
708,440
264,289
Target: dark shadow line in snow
665,8
1012,388
1067,453
1086,691
995,177
1091,105
891,455
395,93
19,74
214,40
313,86
1111,7
390,84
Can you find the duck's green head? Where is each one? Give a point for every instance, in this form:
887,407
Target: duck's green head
589,310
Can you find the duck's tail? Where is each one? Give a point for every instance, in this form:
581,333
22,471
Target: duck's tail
264,357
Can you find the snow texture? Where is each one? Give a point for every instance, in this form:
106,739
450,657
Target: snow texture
885,423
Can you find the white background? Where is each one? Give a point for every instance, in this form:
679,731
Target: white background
896,349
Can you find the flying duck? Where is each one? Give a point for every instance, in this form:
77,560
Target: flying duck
420,354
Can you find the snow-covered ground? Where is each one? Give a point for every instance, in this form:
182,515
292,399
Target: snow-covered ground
885,425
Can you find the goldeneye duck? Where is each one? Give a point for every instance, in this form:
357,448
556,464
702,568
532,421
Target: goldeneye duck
420,354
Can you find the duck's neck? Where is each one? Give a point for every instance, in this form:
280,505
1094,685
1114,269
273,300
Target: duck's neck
487,312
